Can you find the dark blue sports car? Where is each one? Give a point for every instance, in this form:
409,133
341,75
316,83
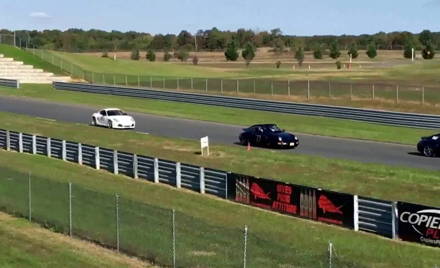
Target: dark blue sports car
429,146
268,135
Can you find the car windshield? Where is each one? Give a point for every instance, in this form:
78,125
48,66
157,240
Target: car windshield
115,112
274,128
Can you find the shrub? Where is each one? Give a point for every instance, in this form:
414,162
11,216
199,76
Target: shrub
135,54
371,51
278,64
167,56
248,53
195,60
104,54
231,53
317,53
182,54
338,65
299,55
151,56
334,50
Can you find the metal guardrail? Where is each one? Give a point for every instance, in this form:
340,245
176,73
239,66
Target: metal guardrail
377,216
9,83
375,116
137,166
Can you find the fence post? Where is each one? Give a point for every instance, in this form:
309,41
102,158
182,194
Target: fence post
156,170
63,150
151,81
351,91
115,162
103,79
202,180
254,88
271,87
192,83
356,212
48,145
206,85
126,80
174,236
221,86
423,95
163,82
80,154
139,81
393,219
30,196
397,93
20,142
372,92
117,220
135,166
8,140
93,77
70,209
330,254
114,80
178,175
288,87
245,245
34,144
237,87
329,89
97,159
177,84
308,90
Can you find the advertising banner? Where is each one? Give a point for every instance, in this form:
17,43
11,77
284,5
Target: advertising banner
335,208
417,223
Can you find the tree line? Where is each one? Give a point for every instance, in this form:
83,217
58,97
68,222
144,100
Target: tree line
214,39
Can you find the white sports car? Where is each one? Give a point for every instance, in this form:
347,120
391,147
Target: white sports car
113,118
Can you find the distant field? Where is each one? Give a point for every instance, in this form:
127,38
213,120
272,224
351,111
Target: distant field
29,245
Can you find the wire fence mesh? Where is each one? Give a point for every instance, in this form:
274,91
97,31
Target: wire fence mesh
162,236
301,90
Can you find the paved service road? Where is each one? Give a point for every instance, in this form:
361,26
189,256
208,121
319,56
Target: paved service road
363,151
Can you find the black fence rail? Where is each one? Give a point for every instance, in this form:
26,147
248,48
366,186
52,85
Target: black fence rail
374,116
9,83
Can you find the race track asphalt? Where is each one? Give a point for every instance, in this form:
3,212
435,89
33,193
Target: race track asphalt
339,148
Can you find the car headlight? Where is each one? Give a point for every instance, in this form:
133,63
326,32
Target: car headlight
115,120
280,139
296,138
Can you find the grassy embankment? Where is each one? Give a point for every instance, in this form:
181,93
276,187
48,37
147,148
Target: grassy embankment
28,58
208,230
28,245
296,123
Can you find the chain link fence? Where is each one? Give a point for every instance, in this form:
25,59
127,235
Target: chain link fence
161,236
300,90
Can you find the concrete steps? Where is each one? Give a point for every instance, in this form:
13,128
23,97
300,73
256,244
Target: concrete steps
11,69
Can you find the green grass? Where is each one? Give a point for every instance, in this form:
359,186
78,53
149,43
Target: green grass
28,58
371,180
28,245
209,231
296,123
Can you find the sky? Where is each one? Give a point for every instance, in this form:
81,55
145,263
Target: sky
293,17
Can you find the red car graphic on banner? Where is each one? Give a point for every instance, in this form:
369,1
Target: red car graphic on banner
335,208
258,192
327,206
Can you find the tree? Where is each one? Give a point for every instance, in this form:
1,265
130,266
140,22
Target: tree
231,53
338,65
371,50
278,64
248,53
184,39
317,52
428,52
182,54
151,56
104,54
195,60
278,45
135,54
352,51
299,55
167,55
407,50
334,50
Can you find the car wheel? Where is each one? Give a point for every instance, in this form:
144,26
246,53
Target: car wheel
110,124
428,151
93,121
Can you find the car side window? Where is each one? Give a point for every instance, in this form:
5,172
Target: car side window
102,113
